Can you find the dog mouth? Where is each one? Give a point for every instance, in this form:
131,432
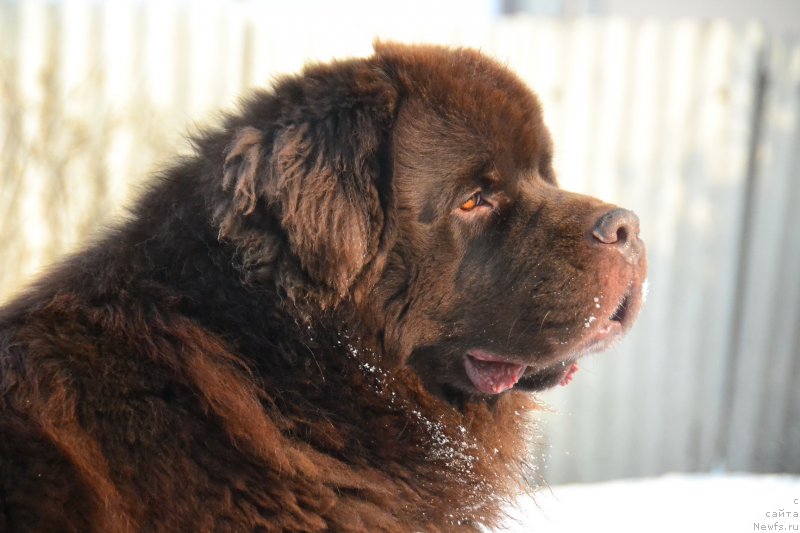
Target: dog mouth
621,312
492,374
601,335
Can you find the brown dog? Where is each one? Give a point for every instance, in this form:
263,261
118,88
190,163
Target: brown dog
325,320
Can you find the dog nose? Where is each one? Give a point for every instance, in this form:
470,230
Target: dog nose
619,228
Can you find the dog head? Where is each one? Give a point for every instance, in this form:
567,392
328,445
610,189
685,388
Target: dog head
417,186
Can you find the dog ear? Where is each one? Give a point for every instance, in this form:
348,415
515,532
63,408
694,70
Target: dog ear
240,172
320,174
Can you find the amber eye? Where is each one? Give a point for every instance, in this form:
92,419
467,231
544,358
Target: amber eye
472,202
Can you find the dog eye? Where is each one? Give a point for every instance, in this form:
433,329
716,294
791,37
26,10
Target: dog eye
472,202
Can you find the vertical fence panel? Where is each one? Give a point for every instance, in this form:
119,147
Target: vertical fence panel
122,61
730,107
686,46
640,355
658,118
766,337
34,82
779,451
11,113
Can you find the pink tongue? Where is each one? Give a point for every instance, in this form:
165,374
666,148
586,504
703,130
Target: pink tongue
492,377
568,376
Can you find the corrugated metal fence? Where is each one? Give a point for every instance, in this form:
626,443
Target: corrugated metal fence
696,126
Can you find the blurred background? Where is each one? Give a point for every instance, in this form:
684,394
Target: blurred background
687,112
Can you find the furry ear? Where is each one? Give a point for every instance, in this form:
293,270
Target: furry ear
319,175
241,166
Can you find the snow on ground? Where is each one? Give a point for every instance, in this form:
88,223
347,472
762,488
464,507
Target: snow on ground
674,503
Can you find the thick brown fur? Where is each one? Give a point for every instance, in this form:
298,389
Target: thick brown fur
275,339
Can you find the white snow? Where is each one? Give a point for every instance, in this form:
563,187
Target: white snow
687,503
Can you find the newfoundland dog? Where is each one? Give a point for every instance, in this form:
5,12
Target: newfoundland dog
329,318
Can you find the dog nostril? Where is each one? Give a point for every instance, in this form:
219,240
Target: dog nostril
618,228
622,234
